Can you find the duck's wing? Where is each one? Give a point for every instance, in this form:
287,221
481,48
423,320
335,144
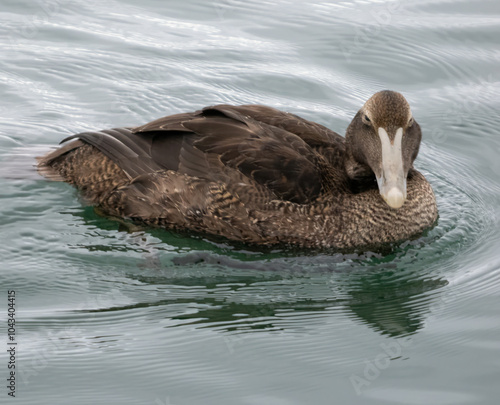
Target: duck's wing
314,134
325,142
322,139
229,144
130,152
249,139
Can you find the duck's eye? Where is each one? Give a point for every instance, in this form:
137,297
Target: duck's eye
410,122
366,120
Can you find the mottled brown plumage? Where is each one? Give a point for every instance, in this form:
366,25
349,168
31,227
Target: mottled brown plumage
258,175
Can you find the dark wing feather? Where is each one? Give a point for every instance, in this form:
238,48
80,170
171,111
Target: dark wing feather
278,151
45,162
130,152
326,142
168,123
273,157
311,132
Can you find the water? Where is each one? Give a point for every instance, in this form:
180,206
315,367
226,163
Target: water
106,315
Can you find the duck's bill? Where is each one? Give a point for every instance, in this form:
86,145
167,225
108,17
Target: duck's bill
392,180
393,193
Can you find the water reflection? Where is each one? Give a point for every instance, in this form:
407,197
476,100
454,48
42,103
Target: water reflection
397,306
221,286
250,298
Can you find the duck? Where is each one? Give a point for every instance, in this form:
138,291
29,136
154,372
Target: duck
258,175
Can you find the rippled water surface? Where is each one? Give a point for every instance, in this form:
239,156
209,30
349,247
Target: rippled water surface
110,315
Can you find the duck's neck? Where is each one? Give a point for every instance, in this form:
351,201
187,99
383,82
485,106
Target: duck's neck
358,219
361,176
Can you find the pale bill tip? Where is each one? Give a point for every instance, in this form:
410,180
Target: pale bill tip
394,198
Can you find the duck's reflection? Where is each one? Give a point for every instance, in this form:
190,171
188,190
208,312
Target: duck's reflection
240,290
391,305
235,301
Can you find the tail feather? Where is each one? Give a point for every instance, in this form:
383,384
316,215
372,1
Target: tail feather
44,166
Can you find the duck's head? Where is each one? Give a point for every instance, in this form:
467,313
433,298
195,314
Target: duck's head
383,139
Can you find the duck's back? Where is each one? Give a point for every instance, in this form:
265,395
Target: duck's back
243,156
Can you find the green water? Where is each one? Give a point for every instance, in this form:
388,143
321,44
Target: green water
109,316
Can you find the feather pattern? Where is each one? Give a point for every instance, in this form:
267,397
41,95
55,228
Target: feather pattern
250,173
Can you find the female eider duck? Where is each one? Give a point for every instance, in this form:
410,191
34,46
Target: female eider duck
255,174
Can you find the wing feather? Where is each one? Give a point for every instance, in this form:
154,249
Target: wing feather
278,151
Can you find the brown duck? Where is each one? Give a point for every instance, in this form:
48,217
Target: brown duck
259,175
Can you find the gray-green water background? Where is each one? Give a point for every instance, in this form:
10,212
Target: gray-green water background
105,316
